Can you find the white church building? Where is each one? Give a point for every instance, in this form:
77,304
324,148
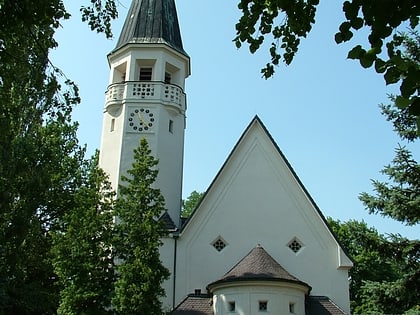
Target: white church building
256,243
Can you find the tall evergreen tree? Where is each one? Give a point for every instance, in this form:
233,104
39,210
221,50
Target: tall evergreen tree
138,236
82,251
399,199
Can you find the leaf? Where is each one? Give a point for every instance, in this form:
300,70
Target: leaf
392,75
408,86
402,102
367,60
357,23
380,65
338,38
414,108
356,52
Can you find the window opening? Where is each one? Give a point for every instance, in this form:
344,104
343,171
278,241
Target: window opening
219,244
231,306
295,245
292,308
168,77
171,126
112,124
146,74
262,306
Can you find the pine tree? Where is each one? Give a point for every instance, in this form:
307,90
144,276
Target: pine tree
138,236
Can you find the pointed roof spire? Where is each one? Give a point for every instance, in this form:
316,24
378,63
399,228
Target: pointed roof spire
259,265
152,21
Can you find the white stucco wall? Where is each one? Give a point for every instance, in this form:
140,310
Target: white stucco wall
247,297
257,200
167,143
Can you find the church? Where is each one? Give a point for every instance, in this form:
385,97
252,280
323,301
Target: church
256,243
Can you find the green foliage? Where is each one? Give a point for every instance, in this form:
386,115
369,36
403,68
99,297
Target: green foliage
386,270
138,237
99,15
401,199
189,204
40,158
287,21
82,256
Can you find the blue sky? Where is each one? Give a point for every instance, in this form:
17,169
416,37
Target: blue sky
322,111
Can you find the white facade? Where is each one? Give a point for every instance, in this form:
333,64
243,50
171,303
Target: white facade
145,99
257,199
253,298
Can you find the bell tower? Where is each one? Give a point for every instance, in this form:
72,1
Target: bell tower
145,97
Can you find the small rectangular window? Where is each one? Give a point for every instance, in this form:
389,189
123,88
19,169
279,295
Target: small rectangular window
171,126
262,306
112,124
292,308
168,77
231,306
146,74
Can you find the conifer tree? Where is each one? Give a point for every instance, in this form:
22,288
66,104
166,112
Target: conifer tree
82,256
138,236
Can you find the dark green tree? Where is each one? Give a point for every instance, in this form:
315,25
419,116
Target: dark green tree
40,157
399,199
286,22
138,288
401,295
82,247
371,263
189,204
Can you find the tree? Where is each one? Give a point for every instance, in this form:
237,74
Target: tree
82,247
286,22
138,237
189,204
40,158
399,199
371,263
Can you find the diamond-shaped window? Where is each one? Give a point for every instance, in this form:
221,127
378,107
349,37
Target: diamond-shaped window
295,245
219,244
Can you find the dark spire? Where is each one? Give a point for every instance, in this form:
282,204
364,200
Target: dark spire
152,21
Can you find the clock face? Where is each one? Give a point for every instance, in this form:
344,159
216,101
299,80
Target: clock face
141,119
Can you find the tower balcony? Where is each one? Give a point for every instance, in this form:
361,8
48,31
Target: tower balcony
145,91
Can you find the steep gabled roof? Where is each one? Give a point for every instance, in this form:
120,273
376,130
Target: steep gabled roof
152,21
258,265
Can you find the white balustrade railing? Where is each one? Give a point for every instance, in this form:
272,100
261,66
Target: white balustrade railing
140,90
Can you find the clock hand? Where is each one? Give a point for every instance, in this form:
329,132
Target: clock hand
143,120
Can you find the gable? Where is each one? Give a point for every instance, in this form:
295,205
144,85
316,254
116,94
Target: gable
256,198
258,170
